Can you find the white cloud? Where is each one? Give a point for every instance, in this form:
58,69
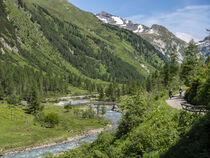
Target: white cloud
192,20
186,37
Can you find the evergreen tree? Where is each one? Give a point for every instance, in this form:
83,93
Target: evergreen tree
103,111
207,60
110,92
101,95
173,64
118,92
148,84
189,64
124,89
165,74
1,92
34,102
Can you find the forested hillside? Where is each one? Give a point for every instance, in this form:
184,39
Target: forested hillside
55,44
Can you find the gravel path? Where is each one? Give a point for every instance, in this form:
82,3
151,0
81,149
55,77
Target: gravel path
175,101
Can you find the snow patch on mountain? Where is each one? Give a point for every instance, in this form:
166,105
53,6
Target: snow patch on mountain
118,20
139,29
103,20
152,31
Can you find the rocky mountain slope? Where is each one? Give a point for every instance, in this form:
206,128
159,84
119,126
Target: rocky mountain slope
158,35
204,46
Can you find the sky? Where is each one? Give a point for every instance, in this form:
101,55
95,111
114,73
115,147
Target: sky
188,18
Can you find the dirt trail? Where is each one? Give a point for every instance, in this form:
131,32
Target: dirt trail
175,101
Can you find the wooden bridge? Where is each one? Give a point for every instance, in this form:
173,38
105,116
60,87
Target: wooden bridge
96,103
195,108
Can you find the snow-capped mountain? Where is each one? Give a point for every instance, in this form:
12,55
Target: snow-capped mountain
116,20
204,46
158,35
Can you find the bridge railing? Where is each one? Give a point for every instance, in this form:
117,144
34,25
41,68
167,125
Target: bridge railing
95,103
195,108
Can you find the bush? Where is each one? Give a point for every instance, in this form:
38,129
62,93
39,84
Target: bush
68,107
103,121
14,100
77,112
49,121
89,113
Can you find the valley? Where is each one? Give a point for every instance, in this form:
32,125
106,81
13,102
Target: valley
77,84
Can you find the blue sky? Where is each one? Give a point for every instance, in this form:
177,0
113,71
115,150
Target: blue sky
179,16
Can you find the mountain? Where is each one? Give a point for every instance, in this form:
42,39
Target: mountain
204,46
48,39
159,36
127,24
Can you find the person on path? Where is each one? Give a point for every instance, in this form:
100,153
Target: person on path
180,91
170,93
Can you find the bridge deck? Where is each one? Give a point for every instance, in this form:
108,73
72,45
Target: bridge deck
95,103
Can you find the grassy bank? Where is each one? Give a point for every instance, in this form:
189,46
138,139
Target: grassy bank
18,129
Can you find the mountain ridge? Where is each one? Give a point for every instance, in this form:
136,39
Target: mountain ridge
204,46
157,35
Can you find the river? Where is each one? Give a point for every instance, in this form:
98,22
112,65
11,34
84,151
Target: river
111,115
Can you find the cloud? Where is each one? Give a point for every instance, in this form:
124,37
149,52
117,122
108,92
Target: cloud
192,20
186,37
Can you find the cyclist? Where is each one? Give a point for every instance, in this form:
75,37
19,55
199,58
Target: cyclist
180,91
170,93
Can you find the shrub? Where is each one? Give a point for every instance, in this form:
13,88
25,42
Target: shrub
77,112
14,100
49,120
68,107
89,113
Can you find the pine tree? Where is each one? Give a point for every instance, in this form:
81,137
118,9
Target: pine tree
103,111
189,63
207,60
165,74
123,89
110,92
1,92
118,92
34,103
173,63
148,84
101,95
